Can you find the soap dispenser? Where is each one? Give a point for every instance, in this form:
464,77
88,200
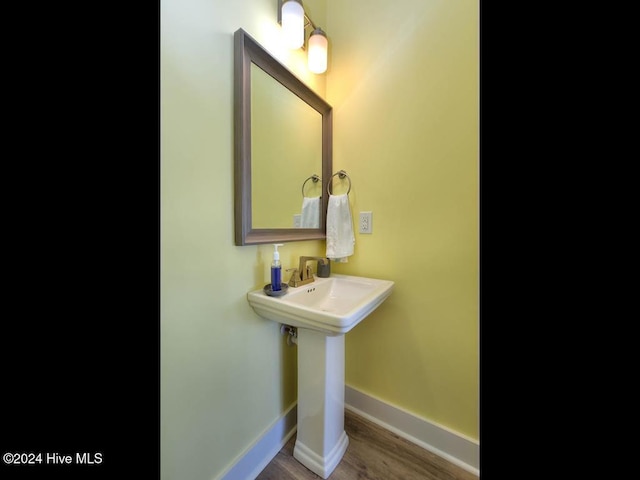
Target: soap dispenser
276,269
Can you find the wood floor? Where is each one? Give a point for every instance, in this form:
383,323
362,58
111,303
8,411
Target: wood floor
373,454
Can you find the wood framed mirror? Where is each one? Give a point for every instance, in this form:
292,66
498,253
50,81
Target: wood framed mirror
282,137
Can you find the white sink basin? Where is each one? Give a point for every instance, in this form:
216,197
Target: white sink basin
331,305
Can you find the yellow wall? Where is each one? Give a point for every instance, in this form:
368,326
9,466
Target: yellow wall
403,82
226,374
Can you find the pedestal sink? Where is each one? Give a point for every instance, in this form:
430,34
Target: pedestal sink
323,311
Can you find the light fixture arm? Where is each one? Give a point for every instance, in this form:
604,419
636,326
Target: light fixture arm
308,21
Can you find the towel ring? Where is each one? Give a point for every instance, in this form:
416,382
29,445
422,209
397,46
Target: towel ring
313,177
341,174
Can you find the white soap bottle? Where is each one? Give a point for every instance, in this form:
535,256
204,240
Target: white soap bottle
276,269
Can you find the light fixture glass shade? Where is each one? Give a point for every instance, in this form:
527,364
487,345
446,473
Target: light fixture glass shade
293,24
317,58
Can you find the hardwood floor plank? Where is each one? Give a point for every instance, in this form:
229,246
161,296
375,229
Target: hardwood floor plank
373,454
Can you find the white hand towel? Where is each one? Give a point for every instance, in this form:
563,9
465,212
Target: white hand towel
340,237
310,213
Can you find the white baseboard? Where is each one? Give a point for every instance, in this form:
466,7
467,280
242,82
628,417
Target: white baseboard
454,447
257,456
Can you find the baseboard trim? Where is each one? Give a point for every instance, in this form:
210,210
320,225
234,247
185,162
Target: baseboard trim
257,456
454,447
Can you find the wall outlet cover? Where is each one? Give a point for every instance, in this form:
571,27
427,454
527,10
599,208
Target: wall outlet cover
365,224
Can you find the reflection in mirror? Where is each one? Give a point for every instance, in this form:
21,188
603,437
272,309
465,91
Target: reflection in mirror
286,146
283,136
309,216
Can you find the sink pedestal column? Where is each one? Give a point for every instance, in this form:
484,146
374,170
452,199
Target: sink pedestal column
321,440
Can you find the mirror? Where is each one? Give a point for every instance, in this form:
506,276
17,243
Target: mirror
286,148
283,144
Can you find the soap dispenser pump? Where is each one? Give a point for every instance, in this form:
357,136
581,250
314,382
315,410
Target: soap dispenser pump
276,269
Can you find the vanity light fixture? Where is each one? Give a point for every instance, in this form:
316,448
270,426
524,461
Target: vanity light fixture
317,56
294,21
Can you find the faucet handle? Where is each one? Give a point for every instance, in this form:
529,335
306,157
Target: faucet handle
295,277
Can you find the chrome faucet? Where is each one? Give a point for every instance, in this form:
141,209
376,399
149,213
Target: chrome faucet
303,274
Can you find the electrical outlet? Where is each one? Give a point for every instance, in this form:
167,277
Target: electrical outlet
297,220
365,222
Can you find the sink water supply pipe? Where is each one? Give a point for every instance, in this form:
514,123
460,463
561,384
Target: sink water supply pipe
291,332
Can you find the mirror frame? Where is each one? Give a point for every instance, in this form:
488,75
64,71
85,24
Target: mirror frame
247,51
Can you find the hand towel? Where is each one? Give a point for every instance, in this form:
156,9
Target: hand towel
340,237
310,217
